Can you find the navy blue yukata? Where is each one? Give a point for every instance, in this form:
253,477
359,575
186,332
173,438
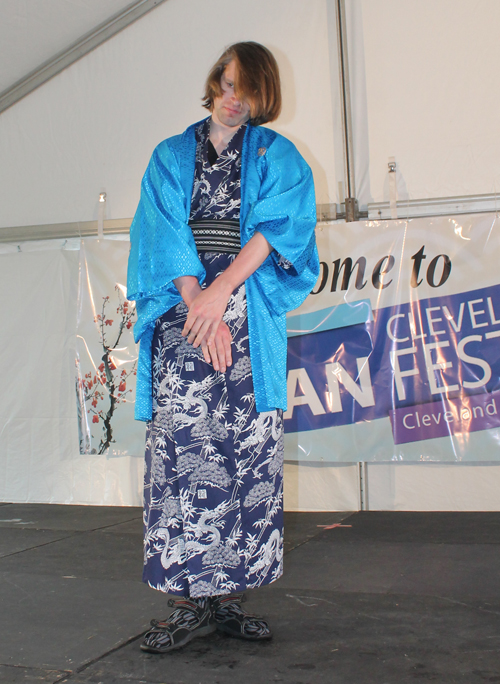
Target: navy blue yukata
213,509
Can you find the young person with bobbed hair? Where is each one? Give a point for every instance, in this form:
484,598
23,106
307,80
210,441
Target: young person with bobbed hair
222,246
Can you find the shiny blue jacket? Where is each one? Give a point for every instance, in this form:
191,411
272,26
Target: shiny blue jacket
277,200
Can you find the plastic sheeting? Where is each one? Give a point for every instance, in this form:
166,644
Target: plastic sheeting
37,360
106,355
40,459
395,355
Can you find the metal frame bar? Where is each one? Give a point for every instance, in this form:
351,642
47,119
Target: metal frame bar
363,486
437,206
345,97
52,231
79,49
351,204
327,213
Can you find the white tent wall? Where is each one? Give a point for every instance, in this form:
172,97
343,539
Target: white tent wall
37,359
39,449
422,77
26,25
433,487
93,127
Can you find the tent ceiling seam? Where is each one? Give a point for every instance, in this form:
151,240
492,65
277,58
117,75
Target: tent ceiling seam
76,51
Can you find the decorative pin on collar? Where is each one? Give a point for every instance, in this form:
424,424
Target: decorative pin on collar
261,151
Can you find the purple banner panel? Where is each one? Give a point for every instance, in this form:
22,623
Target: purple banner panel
446,417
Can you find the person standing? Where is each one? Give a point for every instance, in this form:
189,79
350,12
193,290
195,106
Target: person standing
222,246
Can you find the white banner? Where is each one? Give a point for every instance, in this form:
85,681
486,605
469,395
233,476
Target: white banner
395,355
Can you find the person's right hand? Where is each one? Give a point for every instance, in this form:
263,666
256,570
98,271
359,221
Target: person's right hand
218,351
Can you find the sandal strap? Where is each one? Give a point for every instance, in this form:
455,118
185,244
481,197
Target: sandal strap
232,619
195,604
228,598
188,620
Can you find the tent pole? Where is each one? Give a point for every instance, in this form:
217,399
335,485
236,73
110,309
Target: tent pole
351,203
363,486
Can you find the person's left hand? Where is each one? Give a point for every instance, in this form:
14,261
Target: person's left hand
205,313
219,353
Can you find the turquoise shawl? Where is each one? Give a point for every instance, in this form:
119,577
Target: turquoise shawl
277,200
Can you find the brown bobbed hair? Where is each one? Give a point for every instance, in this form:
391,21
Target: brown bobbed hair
257,80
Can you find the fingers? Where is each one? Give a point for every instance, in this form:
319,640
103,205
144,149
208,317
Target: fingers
205,313
218,351
221,353
191,327
226,348
207,331
200,332
206,353
211,333
187,326
224,340
212,348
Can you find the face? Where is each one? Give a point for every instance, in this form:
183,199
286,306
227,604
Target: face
228,110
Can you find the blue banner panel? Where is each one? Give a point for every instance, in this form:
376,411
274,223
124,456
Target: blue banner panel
410,354
446,417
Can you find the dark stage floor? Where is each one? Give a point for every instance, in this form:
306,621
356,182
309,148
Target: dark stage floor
393,599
